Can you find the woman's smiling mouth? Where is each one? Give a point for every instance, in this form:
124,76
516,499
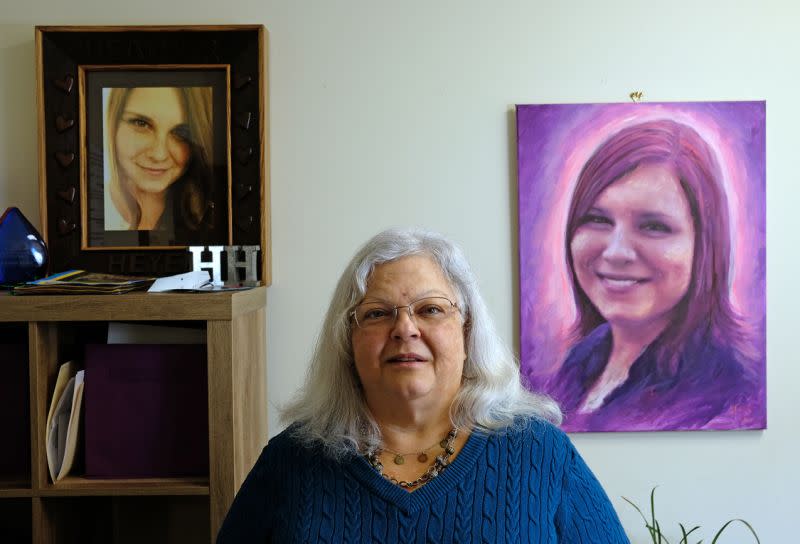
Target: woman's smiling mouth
406,358
155,172
619,283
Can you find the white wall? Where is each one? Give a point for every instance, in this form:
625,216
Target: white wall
388,113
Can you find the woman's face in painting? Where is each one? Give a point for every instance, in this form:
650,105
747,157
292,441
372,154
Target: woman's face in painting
152,139
633,250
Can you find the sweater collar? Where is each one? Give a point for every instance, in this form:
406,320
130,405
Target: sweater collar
456,472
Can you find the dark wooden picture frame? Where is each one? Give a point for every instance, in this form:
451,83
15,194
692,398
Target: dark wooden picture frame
74,64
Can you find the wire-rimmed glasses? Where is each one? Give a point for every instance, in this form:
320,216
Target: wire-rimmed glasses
425,311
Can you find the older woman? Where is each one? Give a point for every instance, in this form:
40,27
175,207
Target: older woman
648,248
413,425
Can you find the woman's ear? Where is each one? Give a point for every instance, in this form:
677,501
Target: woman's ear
467,327
356,378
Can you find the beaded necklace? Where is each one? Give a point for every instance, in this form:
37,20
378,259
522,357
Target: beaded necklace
422,455
440,463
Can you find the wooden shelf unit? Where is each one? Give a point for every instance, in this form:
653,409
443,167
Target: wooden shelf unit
78,509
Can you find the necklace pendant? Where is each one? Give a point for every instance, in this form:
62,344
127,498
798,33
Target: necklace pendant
422,457
399,459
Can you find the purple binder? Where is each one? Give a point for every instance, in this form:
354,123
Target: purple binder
15,458
146,410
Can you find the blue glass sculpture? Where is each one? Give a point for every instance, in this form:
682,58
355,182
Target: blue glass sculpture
23,254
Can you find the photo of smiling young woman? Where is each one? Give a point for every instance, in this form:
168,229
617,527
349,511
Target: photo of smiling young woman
656,339
158,157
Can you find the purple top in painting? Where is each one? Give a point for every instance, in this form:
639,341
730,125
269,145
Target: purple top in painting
642,263
719,393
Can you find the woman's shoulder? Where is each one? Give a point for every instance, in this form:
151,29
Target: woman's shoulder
537,430
285,443
285,449
288,439
585,361
296,442
714,360
598,339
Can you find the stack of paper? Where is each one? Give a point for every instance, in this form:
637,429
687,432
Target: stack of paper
82,282
63,421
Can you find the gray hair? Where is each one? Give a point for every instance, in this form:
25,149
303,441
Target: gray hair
330,409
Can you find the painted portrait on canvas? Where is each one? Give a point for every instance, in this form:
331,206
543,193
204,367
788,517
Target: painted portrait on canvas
643,263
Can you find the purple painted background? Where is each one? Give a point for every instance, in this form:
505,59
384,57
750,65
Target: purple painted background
554,141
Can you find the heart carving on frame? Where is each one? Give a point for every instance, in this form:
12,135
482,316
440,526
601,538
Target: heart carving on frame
246,222
244,154
64,123
65,84
65,158
242,190
244,119
68,195
240,80
65,226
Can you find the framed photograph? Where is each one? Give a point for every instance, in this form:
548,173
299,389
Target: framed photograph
152,139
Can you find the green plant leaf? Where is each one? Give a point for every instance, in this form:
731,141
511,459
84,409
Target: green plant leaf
653,505
685,534
650,528
716,536
661,538
654,527
637,509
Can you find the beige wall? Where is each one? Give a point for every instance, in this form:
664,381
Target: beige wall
388,113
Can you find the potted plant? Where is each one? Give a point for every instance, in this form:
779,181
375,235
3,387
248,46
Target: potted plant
654,527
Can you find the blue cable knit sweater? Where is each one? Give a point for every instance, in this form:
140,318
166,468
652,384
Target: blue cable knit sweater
525,485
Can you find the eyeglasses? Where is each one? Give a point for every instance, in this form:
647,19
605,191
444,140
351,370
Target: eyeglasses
425,311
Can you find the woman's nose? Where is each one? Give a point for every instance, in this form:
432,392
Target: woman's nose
159,150
619,249
404,325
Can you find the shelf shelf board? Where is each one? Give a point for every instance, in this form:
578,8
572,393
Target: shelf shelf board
15,489
131,306
73,486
